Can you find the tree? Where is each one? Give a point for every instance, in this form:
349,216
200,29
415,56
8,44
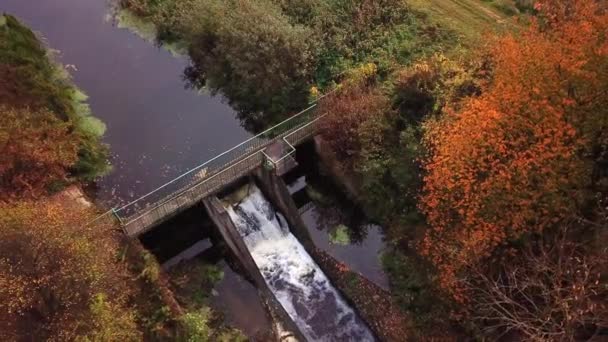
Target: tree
556,290
515,160
250,52
59,279
355,110
36,150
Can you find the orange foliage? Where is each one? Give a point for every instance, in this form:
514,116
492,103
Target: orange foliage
36,149
509,162
52,267
352,114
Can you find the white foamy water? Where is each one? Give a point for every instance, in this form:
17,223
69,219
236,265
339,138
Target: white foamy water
299,284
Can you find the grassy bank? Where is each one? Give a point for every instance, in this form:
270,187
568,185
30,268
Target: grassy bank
30,79
471,19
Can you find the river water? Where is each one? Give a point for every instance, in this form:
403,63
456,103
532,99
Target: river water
156,128
297,281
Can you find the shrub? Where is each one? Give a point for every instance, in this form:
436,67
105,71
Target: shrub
196,326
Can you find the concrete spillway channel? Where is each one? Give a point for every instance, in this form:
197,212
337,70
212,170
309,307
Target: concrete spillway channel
259,226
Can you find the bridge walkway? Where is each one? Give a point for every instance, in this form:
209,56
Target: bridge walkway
271,148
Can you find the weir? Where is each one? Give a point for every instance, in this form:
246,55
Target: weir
272,148
297,282
272,245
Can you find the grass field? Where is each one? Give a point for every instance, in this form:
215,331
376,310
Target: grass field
469,18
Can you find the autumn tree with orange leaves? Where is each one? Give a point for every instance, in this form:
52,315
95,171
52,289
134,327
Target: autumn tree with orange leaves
36,149
523,155
59,278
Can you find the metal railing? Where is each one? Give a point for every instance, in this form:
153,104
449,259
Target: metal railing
205,178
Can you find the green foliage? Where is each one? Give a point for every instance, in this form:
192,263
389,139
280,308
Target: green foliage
413,288
339,235
29,78
388,146
264,55
231,335
111,322
317,196
92,159
212,273
250,52
195,326
151,269
525,5
155,320
196,280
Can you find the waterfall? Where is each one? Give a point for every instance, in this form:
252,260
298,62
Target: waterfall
299,284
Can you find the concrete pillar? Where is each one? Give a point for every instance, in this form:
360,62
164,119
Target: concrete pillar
275,189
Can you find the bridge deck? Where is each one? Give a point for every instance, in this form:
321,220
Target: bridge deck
188,191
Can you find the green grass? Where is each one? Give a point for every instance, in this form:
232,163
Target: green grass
469,18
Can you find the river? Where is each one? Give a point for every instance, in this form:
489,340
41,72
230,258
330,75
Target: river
156,128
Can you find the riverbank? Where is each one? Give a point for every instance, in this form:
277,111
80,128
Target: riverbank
407,309
374,304
310,45
103,285
32,80
173,304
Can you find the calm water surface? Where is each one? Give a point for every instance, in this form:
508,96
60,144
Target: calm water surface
156,128
362,253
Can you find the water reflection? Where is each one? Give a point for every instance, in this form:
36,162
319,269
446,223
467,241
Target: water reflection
336,225
156,127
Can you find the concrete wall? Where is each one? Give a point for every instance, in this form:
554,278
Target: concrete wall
237,246
276,191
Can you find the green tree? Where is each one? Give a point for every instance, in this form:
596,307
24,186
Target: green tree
250,52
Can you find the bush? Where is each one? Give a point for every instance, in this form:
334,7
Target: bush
264,55
349,111
414,290
59,279
111,322
196,326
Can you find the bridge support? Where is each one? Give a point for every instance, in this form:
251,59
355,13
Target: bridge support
276,191
237,246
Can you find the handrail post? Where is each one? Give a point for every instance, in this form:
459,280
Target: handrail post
115,213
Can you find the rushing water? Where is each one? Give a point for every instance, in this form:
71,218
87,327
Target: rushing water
299,284
156,128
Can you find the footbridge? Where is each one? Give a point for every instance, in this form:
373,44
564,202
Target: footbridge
272,148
